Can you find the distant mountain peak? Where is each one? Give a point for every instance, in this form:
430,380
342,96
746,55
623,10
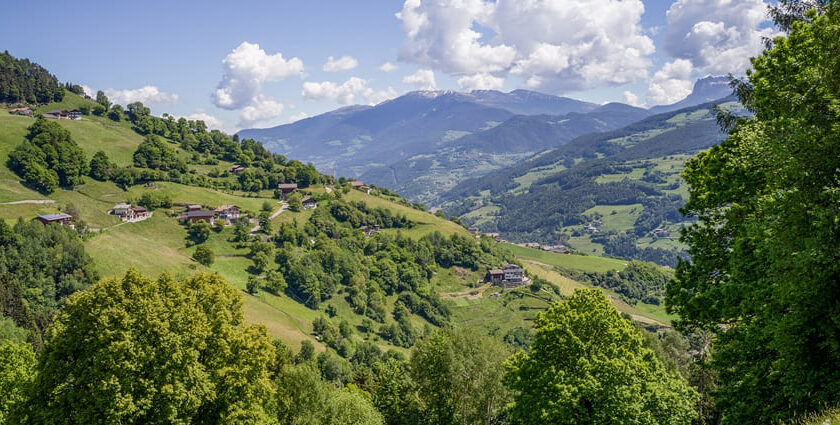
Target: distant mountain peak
706,89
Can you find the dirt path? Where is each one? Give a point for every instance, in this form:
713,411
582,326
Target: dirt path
29,201
283,206
468,293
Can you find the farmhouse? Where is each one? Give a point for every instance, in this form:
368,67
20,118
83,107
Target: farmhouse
21,111
286,189
228,213
309,202
74,115
510,276
200,215
126,212
530,245
369,230
60,218
193,207
56,114
355,184
236,169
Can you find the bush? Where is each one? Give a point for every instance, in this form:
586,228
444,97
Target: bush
204,255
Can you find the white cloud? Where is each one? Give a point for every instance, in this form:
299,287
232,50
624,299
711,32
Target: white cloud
263,109
631,98
717,36
145,94
564,44
480,82
297,117
344,63
670,84
246,69
423,79
211,121
387,67
347,92
89,91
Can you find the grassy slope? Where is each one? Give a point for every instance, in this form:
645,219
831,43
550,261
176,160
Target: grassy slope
158,245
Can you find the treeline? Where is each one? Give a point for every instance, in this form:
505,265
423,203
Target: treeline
48,158
27,82
137,350
40,266
639,282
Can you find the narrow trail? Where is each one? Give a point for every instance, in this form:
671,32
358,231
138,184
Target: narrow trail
283,207
29,201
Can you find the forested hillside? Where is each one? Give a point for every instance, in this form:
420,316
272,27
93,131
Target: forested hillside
603,193
22,81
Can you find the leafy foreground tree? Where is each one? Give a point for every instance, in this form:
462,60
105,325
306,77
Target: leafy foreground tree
459,377
142,351
17,368
588,365
765,268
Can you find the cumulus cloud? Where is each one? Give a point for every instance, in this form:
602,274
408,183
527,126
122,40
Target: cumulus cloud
246,69
631,98
423,79
145,94
262,109
565,44
211,121
89,91
297,117
482,81
671,83
346,93
717,36
344,63
387,67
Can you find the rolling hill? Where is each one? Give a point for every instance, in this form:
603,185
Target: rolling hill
160,244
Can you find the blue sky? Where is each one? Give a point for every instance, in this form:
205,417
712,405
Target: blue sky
170,54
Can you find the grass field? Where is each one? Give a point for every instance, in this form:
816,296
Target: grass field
586,263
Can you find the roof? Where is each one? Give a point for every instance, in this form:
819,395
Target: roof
496,271
226,207
122,205
139,209
356,183
54,217
237,167
57,112
287,186
308,199
200,213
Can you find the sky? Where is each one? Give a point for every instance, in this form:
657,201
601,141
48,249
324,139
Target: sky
263,63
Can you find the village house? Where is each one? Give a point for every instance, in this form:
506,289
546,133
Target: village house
559,249
660,233
56,114
286,189
127,212
60,218
530,245
193,216
228,213
237,169
21,111
309,202
75,115
369,230
355,184
193,207
496,237
590,228
510,276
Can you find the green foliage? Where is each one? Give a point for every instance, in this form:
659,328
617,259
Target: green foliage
252,285
295,204
302,398
588,365
459,377
204,255
40,267
116,113
154,200
764,269
17,370
27,82
199,231
9,331
101,167
49,157
639,281
142,351
156,154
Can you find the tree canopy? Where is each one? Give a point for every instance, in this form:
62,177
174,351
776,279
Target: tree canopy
589,365
765,251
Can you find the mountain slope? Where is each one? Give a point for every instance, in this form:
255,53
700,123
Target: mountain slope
625,181
705,90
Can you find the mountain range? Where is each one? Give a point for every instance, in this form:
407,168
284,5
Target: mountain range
426,142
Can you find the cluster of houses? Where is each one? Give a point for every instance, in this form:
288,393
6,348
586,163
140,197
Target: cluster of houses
369,230
560,248
509,276
593,226
227,213
130,213
660,233
287,189
62,114
237,169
